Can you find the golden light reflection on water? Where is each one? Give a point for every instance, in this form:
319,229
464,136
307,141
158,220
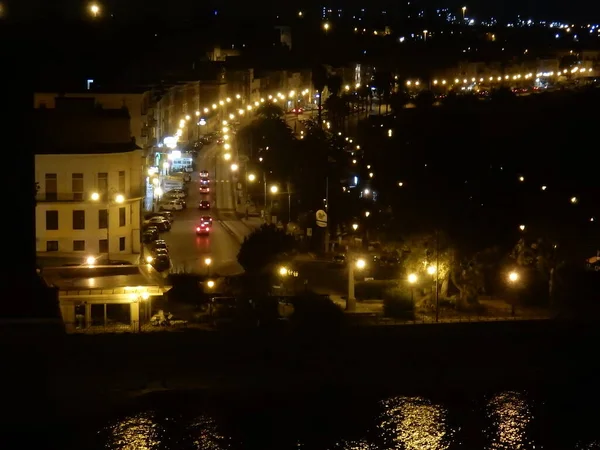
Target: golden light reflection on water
144,432
354,445
509,414
136,432
414,423
206,435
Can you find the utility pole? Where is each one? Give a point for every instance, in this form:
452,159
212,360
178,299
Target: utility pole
289,192
327,210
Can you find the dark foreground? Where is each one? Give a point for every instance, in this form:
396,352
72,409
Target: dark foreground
356,381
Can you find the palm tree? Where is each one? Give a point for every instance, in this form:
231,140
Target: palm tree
319,81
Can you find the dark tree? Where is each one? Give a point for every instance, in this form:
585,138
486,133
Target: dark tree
263,248
319,81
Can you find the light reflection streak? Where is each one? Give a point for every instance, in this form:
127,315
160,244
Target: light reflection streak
510,415
415,423
144,432
206,436
136,432
354,445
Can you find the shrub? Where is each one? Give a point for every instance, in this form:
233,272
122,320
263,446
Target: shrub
365,290
397,303
316,310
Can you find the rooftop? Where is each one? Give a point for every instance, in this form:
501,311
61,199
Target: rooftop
85,278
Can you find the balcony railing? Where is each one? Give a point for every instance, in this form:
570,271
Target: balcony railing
77,197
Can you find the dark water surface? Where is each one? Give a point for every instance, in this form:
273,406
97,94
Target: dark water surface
336,419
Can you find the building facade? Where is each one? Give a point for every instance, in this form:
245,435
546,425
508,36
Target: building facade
89,175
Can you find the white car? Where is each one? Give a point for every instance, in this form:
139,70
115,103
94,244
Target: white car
176,193
172,205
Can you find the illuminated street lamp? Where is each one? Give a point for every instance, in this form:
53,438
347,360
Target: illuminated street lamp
513,277
90,260
207,263
431,270
464,10
355,226
522,227
359,264
210,284
274,189
227,156
283,271
234,167
251,177
412,279
94,9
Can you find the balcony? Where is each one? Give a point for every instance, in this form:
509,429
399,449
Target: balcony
80,197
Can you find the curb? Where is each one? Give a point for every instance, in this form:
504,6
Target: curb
229,231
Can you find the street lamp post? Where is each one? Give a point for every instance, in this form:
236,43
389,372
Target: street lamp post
351,300
207,263
513,279
412,279
117,199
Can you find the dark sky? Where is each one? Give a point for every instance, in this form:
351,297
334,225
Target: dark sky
584,10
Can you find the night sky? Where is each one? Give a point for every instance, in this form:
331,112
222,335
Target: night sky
584,10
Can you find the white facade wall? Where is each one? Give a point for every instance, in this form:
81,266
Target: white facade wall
90,165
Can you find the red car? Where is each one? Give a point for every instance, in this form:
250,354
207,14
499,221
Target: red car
204,189
204,204
203,228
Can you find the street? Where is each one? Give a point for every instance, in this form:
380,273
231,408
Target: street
189,251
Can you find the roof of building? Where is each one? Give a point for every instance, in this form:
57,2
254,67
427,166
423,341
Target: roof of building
81,278
78,126
86,149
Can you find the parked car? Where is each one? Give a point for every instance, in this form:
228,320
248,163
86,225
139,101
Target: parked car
166,214
203,228
161,223
150,235
176,193
171,205
159,243
159,251
204,204
162,262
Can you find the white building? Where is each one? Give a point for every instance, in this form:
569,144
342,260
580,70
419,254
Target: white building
90,182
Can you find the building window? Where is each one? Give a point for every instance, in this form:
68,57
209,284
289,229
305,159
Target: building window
102,182
103,218
51,187
122,217
78,246
121,244
77,186
103,245
51,220
122,181
51,246
79,220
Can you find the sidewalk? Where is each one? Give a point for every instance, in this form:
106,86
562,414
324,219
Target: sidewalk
253,222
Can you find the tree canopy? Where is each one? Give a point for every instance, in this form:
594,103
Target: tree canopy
263,248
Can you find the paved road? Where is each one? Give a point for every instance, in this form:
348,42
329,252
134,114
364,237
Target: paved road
189,251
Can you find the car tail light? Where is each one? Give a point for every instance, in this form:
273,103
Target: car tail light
197,228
